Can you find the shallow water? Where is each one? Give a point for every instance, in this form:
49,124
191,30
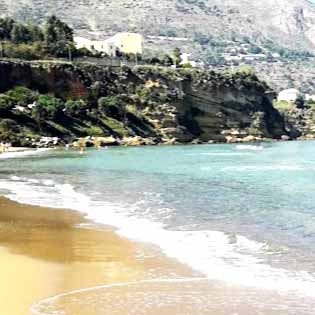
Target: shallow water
243,215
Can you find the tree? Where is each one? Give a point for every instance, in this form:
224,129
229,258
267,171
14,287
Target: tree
300,101
6,25
20,34
36,33
59,38
6,104
56,31
177,56
75,107
167,60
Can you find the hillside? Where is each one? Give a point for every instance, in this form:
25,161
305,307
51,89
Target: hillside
157,104
206,23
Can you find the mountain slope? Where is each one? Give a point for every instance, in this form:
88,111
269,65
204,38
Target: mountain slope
290,23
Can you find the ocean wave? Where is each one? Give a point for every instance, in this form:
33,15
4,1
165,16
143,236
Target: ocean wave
249,147
259,168
10,155
220,154
219,256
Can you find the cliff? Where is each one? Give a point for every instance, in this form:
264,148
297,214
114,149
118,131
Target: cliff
154,104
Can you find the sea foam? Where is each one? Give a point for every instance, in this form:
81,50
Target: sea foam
10,155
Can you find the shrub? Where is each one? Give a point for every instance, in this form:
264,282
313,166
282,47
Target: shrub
47,107
24,51
74,107
300,101
22,96
9,131
8,125
111,106
6,103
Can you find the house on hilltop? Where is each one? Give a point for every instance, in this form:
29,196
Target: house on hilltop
95,45
289,95
126,43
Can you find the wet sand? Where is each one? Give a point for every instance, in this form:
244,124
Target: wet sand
44,252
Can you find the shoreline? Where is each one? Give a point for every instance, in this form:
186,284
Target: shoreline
55,251
55,260
19,151
67,254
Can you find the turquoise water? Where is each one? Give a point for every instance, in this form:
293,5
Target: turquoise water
242,214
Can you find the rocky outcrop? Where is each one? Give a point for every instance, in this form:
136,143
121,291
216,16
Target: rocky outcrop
300,123
179,106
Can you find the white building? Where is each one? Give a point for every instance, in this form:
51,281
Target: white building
185,60
310,97
95,45
128,43
289,95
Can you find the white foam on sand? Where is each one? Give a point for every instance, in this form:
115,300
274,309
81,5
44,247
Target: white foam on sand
219,256
10,155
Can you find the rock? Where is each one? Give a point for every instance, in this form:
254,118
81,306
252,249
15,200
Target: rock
310,137
231,139
47,142
108,141
250,138
133,141
172,141
149,141
285,138
196,141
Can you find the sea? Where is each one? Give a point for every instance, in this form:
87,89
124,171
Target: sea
242,215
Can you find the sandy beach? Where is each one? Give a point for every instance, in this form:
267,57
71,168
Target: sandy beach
44,252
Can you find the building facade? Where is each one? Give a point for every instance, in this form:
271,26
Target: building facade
127,43
289,95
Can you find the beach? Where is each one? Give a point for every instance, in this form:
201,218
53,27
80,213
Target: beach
140,232
47,252
44,252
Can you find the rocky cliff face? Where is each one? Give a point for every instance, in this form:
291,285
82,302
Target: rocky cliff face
300,123
157,103
290,23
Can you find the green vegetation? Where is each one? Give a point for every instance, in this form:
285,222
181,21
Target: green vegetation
77,100
28,41
26,114
286,53
283,106
177,56
300,101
